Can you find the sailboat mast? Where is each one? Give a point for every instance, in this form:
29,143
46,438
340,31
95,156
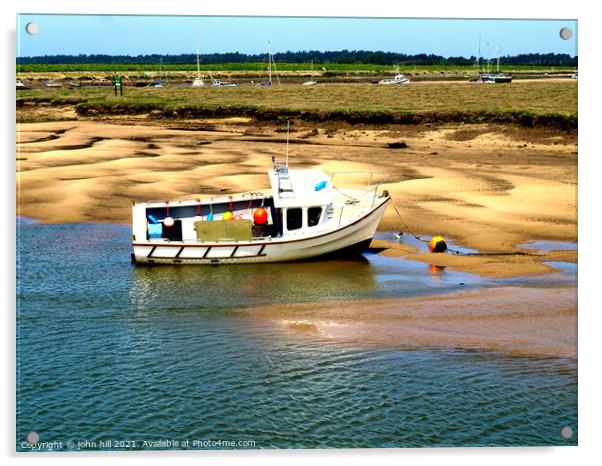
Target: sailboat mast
269,63
198,63
479,56
162,74
498,59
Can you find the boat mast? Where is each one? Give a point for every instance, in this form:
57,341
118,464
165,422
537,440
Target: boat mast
287,133
270,63
498,58
479,56
162,74
198,63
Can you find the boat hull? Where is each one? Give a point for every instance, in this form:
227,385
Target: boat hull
355,237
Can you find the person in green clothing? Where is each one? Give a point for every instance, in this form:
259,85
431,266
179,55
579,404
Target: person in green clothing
118,84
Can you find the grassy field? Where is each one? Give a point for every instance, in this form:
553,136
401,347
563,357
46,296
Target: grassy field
533,103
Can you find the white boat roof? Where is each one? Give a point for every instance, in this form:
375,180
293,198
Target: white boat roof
297,188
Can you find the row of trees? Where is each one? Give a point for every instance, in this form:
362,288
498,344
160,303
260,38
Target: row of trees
341,56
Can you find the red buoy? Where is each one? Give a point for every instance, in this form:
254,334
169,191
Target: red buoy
260,216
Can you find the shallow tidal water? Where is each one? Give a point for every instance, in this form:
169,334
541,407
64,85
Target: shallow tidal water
110,352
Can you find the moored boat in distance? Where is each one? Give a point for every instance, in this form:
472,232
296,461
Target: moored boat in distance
198,81
496,78
304,216
218,83
398,79
271,64
311,82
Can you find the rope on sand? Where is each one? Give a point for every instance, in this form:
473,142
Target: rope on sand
453,251
404,223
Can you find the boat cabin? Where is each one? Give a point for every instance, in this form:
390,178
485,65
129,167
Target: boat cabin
299,204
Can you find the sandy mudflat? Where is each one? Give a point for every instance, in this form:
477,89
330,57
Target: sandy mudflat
513,320
489,188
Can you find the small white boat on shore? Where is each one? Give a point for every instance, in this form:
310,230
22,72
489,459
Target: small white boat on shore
304,216
397,79
218,83
52,84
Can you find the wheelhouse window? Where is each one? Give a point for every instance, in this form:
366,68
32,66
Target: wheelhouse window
294,219
313,216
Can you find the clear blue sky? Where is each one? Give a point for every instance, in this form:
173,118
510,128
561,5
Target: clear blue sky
138,35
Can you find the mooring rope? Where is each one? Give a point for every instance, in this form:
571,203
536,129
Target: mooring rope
453,251
404,222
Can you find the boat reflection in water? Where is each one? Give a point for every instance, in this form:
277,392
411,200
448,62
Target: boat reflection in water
231,286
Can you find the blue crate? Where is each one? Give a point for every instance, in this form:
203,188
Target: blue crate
155,230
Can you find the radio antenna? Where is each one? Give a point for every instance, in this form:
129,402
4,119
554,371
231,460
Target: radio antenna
287,131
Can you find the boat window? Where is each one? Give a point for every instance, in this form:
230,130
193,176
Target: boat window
313,216
294,219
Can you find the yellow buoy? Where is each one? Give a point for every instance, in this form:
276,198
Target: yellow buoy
227,216
437,244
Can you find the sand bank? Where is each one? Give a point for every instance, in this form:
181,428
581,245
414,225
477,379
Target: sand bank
489,188
513,320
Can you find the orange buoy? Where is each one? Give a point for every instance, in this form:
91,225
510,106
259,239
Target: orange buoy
260,216
227,216
437,244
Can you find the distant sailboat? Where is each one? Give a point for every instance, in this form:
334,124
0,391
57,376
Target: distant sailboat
198,82
497,77
311,82
158,82
270,63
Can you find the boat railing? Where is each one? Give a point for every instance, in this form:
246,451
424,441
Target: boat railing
370,175
372,189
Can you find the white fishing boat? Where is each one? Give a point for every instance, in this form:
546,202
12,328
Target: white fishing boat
218,83
398,79
305,215
21,85
198,82
52,84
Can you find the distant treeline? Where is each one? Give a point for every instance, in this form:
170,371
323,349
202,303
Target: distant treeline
341,56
